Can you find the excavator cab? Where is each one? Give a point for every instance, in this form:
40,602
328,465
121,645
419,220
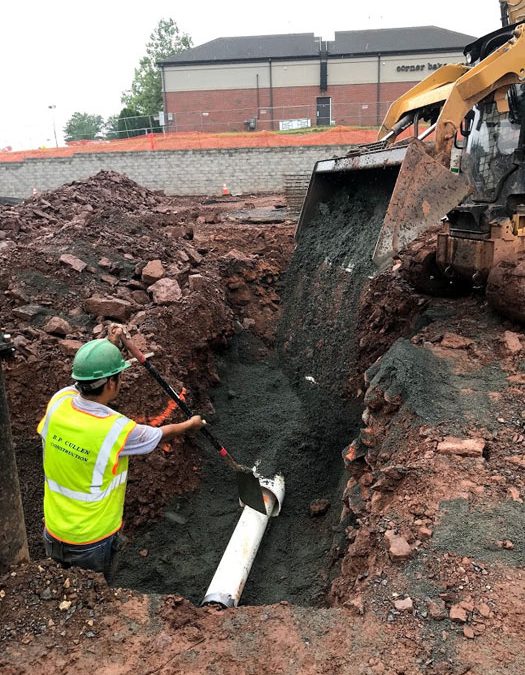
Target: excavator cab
488,227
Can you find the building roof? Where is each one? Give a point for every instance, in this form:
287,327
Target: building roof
250,48
307,45
420,38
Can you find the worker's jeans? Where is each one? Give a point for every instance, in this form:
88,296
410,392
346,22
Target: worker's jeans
100,556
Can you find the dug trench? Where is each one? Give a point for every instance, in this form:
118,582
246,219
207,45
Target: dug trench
286,411
260,417
283,404
263,407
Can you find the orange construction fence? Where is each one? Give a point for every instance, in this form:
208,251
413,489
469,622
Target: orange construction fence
201,141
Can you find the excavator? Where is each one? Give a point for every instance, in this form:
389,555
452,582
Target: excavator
455,143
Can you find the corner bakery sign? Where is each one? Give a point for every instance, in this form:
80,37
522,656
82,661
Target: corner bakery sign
418,68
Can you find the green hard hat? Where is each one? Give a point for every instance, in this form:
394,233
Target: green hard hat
98,359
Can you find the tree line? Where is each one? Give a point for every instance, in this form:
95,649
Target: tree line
143,101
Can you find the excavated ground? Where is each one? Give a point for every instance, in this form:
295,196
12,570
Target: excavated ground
422,554
258,414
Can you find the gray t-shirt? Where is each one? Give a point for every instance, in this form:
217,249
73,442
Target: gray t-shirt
142,439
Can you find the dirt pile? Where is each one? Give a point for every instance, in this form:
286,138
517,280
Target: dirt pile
42,599
107,249
436,487
107,190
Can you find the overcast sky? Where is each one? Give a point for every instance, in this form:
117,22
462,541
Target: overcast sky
80,56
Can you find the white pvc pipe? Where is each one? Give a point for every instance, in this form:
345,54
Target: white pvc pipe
229,579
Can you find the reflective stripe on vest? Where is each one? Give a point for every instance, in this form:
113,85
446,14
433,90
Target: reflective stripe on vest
87,497
85,475
51,407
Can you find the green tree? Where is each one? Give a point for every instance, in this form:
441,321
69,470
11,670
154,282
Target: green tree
83,126
129,123
145,95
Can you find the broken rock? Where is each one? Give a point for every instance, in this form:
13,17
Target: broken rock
425,533
405,605
455,341
109,307
70,347
517,460
236,256
196,282
437,609
28,312
468,632
140,297
193,255
57,326
74,262
153,271
398,547
464,447
458,614
484,610
511,342
165,291
514,494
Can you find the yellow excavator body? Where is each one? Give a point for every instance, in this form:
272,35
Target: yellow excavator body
472,142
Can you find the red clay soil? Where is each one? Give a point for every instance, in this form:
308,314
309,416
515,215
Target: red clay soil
201,141
432,573
74,261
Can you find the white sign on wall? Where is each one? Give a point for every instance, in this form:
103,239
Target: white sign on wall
288,125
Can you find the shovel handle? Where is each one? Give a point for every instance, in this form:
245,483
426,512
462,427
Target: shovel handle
141,358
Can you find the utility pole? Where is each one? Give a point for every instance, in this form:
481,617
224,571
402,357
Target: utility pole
13,538
53,108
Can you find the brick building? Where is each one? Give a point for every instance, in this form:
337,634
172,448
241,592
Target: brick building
290,81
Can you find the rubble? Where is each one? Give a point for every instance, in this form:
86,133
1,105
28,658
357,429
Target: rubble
111,229
42,599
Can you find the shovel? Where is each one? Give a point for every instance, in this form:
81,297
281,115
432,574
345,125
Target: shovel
250,491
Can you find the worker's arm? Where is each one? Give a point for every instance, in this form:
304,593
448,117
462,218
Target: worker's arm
169,431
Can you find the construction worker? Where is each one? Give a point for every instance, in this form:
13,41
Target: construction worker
86,450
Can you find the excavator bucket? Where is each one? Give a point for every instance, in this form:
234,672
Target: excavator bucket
425,191
413,190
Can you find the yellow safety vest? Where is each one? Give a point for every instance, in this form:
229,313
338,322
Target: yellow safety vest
85,479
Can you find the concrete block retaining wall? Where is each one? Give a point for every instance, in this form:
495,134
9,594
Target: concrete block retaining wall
180,172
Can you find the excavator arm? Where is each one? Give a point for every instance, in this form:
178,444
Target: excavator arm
503,68
433,90
512,11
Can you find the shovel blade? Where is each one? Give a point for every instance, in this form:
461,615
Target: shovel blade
425,191
250,491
